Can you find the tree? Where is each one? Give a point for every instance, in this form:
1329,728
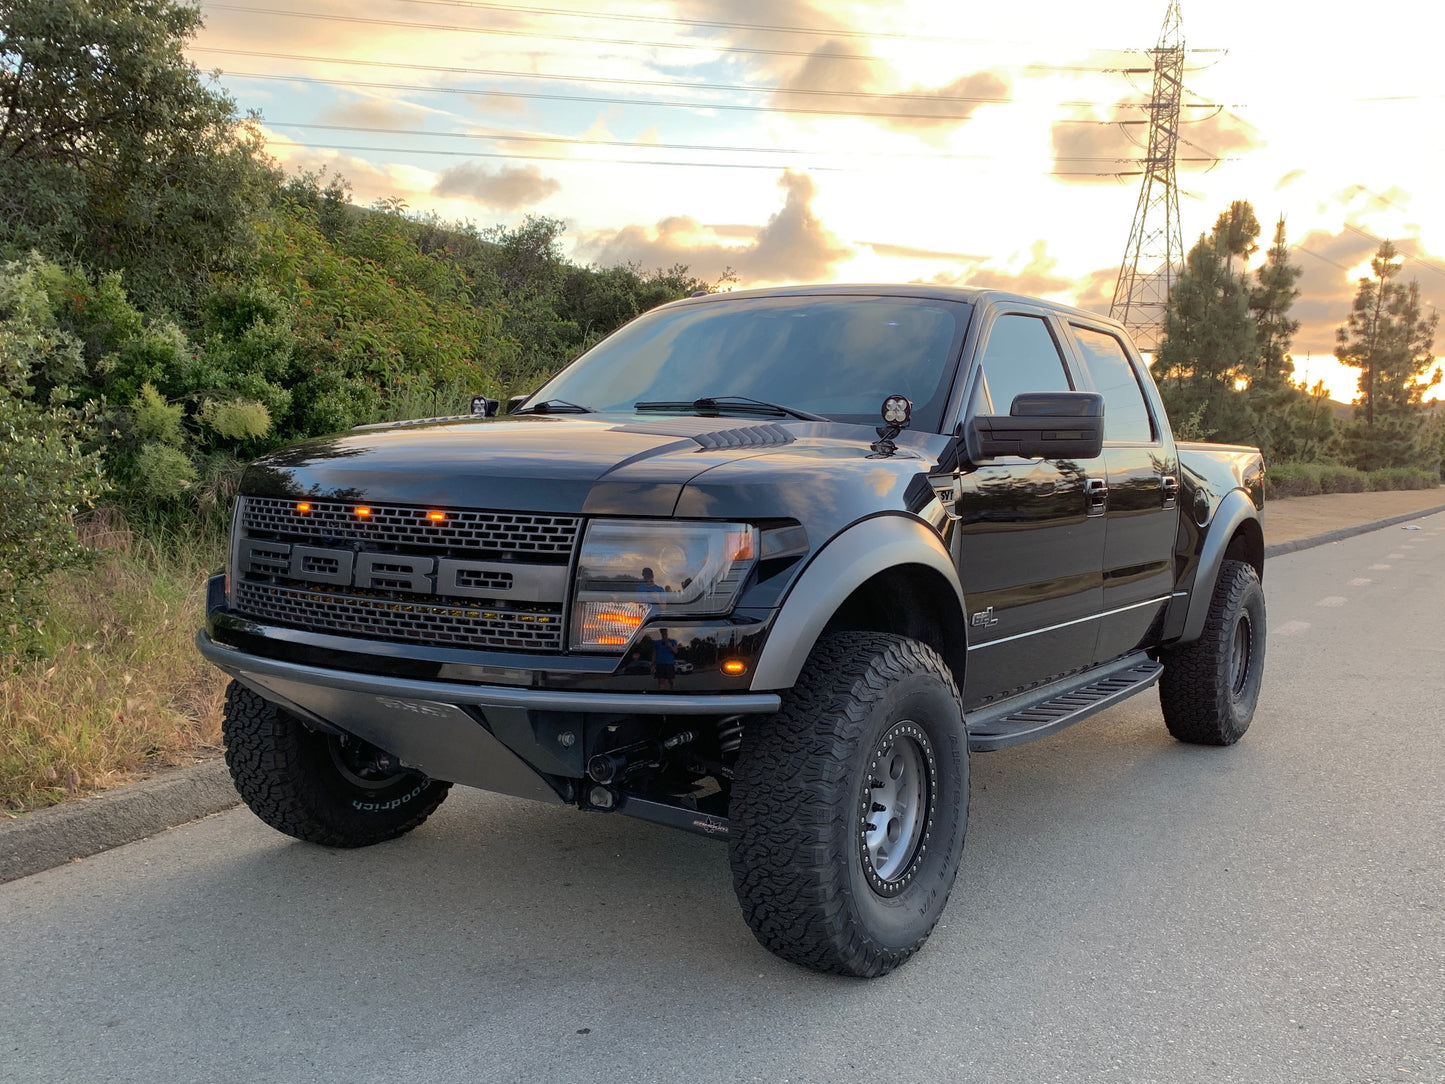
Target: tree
1236,232
1389,340
1209,339
1269,303
114,150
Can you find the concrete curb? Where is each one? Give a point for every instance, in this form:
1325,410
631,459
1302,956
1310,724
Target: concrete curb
38,841
51,837
1281,548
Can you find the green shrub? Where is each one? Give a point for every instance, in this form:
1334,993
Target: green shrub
45,479
161,472
1291,480
1403,478
1307,479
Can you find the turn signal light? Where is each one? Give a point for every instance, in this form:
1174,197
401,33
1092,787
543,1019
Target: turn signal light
363,512
303,507
734,667
740,545
608,624
437,517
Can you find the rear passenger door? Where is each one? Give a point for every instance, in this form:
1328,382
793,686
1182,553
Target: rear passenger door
1141,505
1028,550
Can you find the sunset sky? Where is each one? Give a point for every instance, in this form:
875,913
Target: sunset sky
897,141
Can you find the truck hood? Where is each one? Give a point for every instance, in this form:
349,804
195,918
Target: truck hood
593,464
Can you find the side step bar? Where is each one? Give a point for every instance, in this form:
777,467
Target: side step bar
1052,707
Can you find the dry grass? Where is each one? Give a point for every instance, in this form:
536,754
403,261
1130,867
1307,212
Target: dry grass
122,692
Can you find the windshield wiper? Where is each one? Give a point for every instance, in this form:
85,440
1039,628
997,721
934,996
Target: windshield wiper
553,406
739,404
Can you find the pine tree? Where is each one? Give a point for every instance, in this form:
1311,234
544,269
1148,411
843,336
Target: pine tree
1391,342
1209,338
1269,303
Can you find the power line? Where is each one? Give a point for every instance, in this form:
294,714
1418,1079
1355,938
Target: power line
588,39
712,24
774,166
505,137
1429,265
669,84
559,157
659,103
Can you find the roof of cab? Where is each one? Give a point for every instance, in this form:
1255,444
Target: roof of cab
973,295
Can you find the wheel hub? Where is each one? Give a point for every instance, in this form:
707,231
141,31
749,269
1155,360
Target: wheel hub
895,809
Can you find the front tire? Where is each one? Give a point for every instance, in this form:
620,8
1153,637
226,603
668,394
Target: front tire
318,787
850,805
1210,688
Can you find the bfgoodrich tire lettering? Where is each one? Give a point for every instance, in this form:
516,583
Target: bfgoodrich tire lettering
299,780
850,805
1210,688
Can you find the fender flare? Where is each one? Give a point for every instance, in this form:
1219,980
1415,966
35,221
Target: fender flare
849,559
1235,509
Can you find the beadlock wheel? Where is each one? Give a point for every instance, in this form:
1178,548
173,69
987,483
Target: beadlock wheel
895,808
849,806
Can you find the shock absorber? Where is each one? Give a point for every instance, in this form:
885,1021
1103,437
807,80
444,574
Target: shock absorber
615,765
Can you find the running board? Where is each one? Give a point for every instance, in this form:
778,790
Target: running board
1062,703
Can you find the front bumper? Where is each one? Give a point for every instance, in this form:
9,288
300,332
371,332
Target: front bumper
528,742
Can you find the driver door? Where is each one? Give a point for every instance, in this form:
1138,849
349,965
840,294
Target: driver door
1028,545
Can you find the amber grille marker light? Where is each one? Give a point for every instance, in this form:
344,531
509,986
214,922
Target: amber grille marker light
363,512
437,517
303,507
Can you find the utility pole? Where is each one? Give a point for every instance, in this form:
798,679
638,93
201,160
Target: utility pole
1156,250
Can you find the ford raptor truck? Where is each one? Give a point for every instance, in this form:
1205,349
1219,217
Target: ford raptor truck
766,566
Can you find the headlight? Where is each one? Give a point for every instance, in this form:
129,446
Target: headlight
629,570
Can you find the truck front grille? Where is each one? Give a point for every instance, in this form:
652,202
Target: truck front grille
488,580
463,530
394,619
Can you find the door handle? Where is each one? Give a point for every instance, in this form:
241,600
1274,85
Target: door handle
1171,490
1096,493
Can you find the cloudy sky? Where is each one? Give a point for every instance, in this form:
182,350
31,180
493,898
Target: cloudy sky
892,141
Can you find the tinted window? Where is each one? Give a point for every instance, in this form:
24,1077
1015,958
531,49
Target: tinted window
831,355
1126,417
1021,356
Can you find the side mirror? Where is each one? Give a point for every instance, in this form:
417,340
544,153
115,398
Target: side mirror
482,407
1041,425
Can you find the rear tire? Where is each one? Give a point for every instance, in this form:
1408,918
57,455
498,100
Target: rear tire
316,786
1210,688
850,805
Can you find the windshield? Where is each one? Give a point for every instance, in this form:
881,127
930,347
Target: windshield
838,356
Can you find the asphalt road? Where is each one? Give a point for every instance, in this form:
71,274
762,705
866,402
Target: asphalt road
1129,909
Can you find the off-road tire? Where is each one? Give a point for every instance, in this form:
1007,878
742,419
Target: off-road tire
798,845
1210,688
288,775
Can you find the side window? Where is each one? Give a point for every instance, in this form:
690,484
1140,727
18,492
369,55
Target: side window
1021,356
1126,415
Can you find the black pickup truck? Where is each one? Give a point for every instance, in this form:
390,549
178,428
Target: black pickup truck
765,566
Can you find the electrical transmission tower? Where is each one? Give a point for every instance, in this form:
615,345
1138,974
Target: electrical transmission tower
1155,251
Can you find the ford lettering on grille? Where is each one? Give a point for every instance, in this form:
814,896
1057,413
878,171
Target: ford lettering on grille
402,572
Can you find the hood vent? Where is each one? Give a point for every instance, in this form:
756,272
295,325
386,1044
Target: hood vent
700,430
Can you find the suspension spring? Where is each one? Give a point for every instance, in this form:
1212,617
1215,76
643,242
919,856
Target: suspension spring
730,734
